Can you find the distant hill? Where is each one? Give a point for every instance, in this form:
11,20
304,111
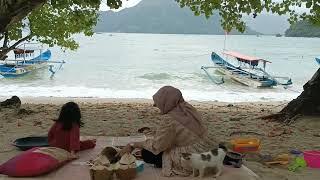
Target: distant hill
303,29
268,23
160,16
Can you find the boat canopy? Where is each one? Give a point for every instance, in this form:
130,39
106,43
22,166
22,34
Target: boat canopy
253,61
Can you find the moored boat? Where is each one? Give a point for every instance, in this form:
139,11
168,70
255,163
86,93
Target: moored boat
25,62
247,72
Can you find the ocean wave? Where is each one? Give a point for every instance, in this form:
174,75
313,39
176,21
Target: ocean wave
156,76
195,77
146,93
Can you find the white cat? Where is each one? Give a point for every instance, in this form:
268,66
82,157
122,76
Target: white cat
211,159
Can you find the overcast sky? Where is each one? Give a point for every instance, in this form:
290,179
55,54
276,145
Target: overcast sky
125,4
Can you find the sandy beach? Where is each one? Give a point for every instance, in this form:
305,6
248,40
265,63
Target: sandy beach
123,117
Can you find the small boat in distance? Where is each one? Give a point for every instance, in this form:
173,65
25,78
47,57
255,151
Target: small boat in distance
318,60
247,72
278,35
25,61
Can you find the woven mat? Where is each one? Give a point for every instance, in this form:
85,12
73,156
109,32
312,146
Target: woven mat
77,169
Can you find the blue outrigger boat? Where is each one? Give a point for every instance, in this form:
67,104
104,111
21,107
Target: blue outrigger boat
246,72
25,62
318,60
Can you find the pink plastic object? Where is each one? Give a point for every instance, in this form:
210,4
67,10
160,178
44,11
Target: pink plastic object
312,158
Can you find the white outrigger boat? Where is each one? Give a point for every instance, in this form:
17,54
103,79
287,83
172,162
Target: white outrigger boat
26,61
246,72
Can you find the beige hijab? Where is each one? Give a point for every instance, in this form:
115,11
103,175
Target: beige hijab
170,101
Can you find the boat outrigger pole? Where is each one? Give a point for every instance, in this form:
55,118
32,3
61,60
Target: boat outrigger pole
13,60
53,72
214,79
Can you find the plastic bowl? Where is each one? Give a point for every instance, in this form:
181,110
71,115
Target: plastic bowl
234,159
312,158
31,142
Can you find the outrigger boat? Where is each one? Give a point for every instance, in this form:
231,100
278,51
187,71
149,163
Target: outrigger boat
25,61
318,60
247,72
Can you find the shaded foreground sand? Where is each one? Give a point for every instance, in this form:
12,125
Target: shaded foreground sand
111,117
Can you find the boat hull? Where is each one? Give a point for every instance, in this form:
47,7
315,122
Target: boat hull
244,80
318,60
20,70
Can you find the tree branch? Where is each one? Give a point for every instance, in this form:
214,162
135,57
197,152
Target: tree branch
22,9
20,41
6,39
4,51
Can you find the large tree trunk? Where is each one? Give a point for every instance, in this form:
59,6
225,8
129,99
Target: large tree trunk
307,103
15,10
12,11
5,49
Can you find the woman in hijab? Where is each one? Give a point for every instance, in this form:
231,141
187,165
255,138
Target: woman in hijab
181,131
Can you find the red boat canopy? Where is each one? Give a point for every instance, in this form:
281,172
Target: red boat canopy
244,58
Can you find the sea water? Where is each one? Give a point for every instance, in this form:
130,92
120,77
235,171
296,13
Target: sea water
120,65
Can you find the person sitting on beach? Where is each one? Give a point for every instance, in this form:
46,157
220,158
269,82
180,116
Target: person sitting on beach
182,131
65,132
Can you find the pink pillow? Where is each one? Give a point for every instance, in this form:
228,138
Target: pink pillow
35,162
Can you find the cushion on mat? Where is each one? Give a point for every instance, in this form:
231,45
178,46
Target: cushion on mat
87,144
35,162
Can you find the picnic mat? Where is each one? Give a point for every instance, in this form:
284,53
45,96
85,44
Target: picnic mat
77,169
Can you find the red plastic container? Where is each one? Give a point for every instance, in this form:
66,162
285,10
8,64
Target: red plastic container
312,158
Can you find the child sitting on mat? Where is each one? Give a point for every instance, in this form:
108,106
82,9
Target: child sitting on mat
65,132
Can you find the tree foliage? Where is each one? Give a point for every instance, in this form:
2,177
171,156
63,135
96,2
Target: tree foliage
51,22
303,29
54,22
231,11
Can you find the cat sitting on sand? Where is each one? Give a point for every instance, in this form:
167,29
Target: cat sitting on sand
211,159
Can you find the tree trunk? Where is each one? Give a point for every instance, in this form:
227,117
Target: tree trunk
3,55
307,103
6,40
12,11
5,50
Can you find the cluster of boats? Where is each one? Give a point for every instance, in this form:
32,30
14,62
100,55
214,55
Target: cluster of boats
249,70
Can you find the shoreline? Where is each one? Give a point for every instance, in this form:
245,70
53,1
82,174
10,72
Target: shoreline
94,100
